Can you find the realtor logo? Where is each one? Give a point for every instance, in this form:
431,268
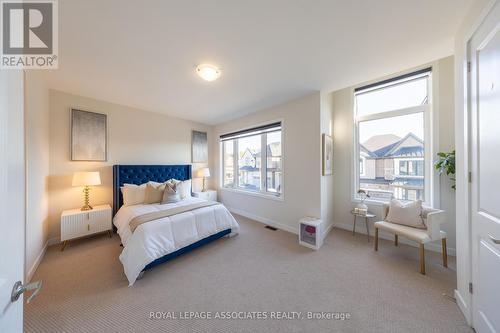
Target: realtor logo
29,34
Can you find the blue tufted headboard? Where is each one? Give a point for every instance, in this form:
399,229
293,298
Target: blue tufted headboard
140,174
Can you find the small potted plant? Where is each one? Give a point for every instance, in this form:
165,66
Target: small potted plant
446,165
362,208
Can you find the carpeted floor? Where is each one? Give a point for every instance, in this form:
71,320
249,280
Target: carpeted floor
259,270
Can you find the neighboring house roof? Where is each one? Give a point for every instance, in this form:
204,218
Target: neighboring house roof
410,145
366,151
377,142
273,150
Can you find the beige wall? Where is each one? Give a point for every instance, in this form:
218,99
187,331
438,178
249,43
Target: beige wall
327,188
302,164
134,137
37,169
446,131
343,137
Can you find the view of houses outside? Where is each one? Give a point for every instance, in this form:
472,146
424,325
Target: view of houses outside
249,163
390,120
392,167
249,159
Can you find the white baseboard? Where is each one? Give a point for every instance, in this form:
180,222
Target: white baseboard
385,235
264,220
54,241
37,262
462,305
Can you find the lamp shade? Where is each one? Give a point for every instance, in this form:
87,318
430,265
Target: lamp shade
86,178
203,172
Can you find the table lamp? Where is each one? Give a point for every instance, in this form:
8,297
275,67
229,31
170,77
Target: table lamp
86,179
203,173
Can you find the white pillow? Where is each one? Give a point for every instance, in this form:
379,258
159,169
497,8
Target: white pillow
133,194
409,214
183,187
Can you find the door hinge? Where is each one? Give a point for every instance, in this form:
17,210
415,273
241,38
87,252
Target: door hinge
468,66
470,177
470,287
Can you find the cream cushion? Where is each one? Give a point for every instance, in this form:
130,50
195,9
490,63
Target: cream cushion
417,235
135,194
407,214
154,193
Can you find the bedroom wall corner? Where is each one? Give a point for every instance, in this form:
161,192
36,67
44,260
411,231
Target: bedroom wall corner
37,169
134,137
302,164
327,183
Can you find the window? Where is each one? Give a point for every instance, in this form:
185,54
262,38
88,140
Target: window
257,164
392,119
411,168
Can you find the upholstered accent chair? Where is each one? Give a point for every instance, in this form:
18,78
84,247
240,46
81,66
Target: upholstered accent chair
433,218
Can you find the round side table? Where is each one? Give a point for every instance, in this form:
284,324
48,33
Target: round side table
366,216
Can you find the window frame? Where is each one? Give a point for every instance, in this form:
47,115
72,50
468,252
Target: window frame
263,169
426,109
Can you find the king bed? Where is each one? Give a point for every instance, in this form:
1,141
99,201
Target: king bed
154,233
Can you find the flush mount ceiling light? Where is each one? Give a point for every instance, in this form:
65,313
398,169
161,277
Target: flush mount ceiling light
208,72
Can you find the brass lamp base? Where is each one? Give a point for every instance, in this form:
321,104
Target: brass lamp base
203,189
86,206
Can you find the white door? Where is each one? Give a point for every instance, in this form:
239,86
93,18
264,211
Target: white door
484,51
11,197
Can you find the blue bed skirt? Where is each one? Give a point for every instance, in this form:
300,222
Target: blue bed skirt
188,248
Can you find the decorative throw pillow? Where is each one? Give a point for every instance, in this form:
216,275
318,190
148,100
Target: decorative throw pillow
154,193
133,194
183,187
409,214
170,194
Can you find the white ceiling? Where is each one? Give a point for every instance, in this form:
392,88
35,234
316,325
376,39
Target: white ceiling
144,53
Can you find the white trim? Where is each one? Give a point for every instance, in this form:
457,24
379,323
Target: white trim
54,241
38,260
462,305
264,220
278,225
260,194
388,236
394,113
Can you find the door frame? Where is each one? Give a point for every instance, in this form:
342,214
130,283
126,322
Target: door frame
467,167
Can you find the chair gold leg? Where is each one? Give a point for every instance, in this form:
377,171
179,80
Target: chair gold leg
64,245
376,239
422,259
445,252
367,229
354,226
395,240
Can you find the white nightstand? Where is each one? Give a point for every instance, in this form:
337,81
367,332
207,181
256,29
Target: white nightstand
76,223
210,195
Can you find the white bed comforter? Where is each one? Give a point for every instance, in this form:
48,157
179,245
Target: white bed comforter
154,239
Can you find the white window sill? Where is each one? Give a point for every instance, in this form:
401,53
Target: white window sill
379,203
254,194
370,202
